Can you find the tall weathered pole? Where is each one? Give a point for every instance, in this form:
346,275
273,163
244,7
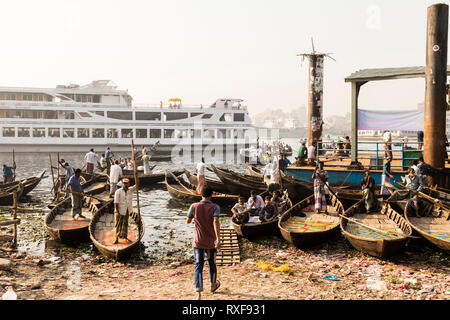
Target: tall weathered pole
435,87
315,95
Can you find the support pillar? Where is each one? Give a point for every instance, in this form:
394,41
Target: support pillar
435,86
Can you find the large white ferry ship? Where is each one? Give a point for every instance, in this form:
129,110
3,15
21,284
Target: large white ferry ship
76,118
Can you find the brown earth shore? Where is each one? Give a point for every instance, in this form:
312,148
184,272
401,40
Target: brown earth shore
419,273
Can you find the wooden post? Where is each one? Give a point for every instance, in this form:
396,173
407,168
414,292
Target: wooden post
51,168
435,88
136,180
14,161
15,217
59,178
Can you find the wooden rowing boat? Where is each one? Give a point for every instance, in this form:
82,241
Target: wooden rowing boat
102,233
62,227
28,184
7,195
433,224
216,185
181,190
131,172
236,184
255,228
300,226
150,179
441,194
378,234
254,171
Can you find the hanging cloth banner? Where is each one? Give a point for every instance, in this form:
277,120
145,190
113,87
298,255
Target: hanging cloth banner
390,120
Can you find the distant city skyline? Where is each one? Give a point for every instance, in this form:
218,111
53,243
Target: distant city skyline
202,50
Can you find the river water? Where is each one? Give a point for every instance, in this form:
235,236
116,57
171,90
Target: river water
166,230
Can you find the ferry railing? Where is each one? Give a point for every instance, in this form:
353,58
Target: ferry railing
377,153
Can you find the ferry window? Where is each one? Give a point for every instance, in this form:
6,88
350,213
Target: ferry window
196,133
38,132
155,133
38,114
98,133
11,96
89,98
148,115
27,97
21,114
120,115
239,133
225,117
66,115
50,114
239,117
181,133
49,98
169,133
83,132
85,114
208,133
224,133
175,115
9,132
100,113
54,132
96,99
9,114
68,133
194,114
40,98
207,116
23,132
127,133
113,133
141,133
78,98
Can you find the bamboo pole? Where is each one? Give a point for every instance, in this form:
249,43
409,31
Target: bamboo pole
59,178
15,217
14,161
51,167
136,180
9,222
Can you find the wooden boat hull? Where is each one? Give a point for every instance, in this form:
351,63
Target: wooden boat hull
439,242
7,196
380,248
117,253
149,180
302,239
67,236
257,230
188,194
217,186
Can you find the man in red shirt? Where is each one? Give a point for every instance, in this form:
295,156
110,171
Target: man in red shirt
207,238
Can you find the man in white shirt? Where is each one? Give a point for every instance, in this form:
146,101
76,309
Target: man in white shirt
312,153
201,166
89,158
387,139
274,176
103,163
114,175
256,203
62,172
123,206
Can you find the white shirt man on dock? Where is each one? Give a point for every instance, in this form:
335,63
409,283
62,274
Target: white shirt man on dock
114,175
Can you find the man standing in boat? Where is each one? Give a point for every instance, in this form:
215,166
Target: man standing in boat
8,173
201,166
89,158
368,190
320,177
76,194
123,206
114,175
207,238
108,155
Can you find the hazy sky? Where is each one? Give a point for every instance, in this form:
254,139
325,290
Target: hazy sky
201,50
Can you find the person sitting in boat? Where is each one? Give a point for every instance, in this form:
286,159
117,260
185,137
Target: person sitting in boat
425,170
415,167
146,163
8,173
413,181
256,203
368,190
241,211
288,162
320,177
277,199
281,163
312,154
347,145
301,155
269,212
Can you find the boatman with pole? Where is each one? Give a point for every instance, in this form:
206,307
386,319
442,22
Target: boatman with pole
123,205
8,173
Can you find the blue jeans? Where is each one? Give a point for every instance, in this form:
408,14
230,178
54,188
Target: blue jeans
199,256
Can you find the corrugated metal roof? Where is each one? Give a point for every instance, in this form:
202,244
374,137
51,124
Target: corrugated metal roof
388,73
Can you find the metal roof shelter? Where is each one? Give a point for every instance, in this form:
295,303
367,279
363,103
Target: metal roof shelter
361,77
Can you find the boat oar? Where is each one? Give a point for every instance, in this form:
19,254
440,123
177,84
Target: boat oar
178,181
136,181
14,162
51,167
83,194
436,202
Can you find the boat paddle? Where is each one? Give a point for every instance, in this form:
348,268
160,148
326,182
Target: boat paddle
136,180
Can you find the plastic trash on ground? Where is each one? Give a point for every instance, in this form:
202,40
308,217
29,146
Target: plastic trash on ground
331,277
9,295
266,266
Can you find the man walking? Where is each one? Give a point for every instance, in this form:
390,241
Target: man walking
89,158
114,175
206,239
